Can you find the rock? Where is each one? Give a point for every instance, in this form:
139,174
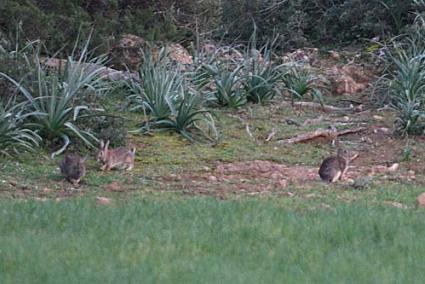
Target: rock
381,130
113,186
361,183
396,204
394,167
283,183
334,55
304,55
46,190
179,54
378,118
212,178
348,79
127,53
57,64
103,201
421,200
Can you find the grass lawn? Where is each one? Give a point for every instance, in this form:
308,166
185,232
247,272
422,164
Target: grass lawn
205,240
176,218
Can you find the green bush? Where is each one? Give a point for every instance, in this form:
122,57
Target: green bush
15,135
58,23
298,22
301,22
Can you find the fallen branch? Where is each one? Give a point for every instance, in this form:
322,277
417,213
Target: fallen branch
271,135
320,133
248,131
325,108
313,121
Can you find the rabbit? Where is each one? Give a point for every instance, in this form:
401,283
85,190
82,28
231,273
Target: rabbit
120,158
334,167
73,167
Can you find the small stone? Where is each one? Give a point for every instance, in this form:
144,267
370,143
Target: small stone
275,175
411,173
367,140
46,190
361,183
381,130
103,201
358,108
378,118
40,199
113,186
346,118
393,167
421,200
335,55
212,178
396,204
283,183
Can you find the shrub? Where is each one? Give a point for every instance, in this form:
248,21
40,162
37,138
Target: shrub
58,23
106,128
166,101
261,75
406,79
300,82
159,89
407,92
15,135
56,102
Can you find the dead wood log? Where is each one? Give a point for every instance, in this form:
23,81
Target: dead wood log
325,108
320,133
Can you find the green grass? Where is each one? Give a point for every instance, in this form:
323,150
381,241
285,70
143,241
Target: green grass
152,233
175,240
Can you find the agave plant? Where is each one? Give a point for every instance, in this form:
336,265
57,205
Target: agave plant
261,77
158,91
300,82
407,91
15,136
185,121
261,74
54,102
226,86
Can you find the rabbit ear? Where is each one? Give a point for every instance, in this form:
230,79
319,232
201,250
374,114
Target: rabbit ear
107,144
102,144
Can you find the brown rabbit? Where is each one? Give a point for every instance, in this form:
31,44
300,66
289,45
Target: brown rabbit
334,167
120,158
73,167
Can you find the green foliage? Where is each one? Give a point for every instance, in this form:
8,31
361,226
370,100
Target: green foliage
300,82
188,113
225,84
58,23
159,89
106,128
15,135
205,240
227,88
261,75
302,22
297,22
403,84
54,101
406,83
162,95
